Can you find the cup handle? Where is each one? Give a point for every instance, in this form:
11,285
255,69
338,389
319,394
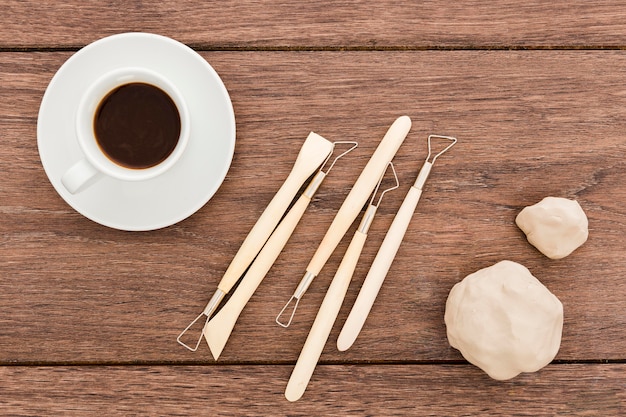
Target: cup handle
79,176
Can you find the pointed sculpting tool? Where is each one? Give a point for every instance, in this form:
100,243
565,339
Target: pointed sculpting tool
313,153
387,252
218,329
349,210
331,304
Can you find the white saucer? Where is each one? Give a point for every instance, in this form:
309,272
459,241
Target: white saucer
181,191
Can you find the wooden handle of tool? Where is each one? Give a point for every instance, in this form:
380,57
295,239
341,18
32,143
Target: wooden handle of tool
360,192
219,328
324,320
261,231
269,253
313,153
378,271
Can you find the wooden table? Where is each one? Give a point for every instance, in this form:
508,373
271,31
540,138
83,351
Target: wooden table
536,93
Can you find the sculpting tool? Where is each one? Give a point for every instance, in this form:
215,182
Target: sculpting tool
219,328
387,252
350,208
313,153
331,305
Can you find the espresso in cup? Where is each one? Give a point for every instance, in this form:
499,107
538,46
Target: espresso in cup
132,124
137,125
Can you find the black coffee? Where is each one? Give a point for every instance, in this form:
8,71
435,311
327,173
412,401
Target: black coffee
137,125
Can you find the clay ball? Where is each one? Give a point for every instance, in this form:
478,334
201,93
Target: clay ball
503,320
555,226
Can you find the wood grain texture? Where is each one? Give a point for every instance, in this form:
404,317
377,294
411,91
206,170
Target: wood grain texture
336,390
529,125
288,24
535,93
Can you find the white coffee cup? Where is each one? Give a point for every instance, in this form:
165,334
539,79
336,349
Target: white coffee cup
96,163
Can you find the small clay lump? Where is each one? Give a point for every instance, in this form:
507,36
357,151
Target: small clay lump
556,226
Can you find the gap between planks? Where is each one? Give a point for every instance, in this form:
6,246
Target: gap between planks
209,363
359,48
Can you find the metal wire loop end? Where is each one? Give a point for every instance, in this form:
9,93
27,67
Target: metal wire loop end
293,312
370,211
304,284
341,155
397,184
179,338
431,137
208,311
425,170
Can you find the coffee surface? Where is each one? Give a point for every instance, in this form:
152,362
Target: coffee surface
137,125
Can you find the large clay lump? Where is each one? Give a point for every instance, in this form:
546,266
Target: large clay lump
503,320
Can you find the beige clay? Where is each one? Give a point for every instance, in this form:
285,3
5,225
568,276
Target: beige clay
504,321
555,226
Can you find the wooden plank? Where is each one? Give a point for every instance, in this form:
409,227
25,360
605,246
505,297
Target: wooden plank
529,125
287,24
337,390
